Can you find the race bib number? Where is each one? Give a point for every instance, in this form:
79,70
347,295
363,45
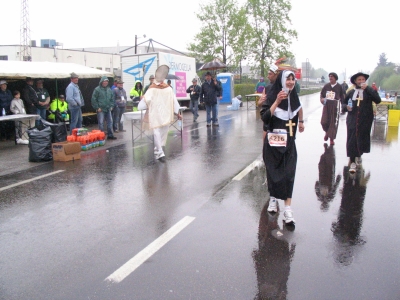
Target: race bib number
43,97
122,98
278,138
330,95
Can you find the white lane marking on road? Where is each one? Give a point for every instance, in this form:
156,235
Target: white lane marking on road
147,252
195,129
247,170
29,180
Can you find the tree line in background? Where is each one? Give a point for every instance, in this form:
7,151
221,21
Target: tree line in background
386,75
258,32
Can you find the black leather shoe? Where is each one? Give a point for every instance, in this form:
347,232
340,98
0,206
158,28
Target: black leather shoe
111,138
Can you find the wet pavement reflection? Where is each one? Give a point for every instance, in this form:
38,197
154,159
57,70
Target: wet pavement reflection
273,257
326,186
346,230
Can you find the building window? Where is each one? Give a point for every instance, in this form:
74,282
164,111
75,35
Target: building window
3,57
99,68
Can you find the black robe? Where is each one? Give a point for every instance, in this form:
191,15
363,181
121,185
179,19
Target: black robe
331,110
280,162
359,123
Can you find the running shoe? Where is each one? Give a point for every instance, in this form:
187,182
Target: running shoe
288,217
272,207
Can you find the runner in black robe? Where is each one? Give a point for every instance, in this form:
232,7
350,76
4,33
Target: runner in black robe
331,97
359,119
277,112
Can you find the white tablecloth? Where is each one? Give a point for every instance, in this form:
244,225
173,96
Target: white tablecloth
19,117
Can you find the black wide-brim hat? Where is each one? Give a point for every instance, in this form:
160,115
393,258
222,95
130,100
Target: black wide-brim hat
354,77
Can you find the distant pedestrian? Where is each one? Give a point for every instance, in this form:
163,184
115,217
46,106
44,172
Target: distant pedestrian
359,119
75,101
43,102
120,99
194,90
103,103
331,96
282,113
17,107
260,86
208,95
345,87
161,105
374,86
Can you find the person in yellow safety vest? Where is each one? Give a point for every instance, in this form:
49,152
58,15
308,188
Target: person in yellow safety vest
60,106
136,91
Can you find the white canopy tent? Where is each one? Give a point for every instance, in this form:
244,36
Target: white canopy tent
51,70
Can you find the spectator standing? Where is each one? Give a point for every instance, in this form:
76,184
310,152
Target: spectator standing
119,96
5,103
374,87
208,95
43,99
194,90
17,107
59,108
75,101
29,97
103,103
136,94
151,78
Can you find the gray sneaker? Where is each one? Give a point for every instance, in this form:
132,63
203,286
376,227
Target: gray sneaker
215,124
358,161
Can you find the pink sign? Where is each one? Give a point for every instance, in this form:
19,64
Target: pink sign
180,85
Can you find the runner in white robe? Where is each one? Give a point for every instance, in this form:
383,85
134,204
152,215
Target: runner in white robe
162,104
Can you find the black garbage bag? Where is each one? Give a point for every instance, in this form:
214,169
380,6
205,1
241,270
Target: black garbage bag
40,144
59,130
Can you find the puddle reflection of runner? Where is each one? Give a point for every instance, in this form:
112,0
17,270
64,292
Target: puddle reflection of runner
273,257
327,185
346,230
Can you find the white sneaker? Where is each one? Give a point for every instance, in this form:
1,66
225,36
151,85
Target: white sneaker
159,154
353,168
288,217
22,142
358,161
272,207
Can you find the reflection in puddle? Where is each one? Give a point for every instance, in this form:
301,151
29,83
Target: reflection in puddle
346,230
273,257
327,185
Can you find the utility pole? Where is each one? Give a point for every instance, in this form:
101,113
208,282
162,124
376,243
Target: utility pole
25,52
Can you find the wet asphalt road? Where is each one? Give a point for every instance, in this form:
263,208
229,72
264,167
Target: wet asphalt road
61,236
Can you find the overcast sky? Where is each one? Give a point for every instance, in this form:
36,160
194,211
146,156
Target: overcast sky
335,35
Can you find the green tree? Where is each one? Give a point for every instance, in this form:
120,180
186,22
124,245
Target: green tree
222,35
271,35
382,60
391,83
380,74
